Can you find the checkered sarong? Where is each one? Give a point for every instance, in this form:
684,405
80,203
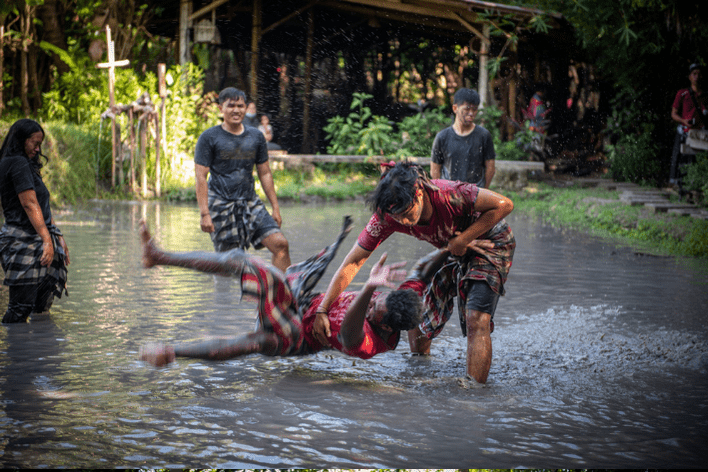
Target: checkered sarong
283,298
20,254
453,277
237,222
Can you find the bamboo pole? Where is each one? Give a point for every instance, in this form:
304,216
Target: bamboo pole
306,141
132,149
255,40
160,126
483,83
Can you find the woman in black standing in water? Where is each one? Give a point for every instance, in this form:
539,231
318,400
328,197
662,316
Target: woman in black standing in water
33,252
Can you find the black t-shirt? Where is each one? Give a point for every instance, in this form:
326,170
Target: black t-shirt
463,158
16,176
230,159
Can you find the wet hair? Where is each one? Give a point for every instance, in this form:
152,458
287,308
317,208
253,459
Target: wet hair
694,66
465,95
18,134
232,93
396,189
404,310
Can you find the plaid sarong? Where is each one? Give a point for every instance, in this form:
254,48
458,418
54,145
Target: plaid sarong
452,279
20,254
283,298
239,223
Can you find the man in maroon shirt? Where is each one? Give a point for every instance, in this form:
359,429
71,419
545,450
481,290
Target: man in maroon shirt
453,216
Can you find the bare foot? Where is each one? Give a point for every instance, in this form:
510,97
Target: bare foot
149,248
157,354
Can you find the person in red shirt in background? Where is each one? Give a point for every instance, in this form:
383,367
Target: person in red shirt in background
689,111
363,323
537,111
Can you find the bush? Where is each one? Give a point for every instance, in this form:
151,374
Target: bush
697,175
363,133
418,132
635,158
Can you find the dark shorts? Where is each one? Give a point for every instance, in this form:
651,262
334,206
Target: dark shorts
481,297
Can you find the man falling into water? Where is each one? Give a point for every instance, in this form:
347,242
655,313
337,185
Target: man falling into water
363,323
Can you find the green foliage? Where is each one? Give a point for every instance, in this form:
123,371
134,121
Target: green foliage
362,133
635,158
697,176
417,132
491,117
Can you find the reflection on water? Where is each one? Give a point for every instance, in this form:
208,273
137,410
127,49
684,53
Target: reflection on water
600,359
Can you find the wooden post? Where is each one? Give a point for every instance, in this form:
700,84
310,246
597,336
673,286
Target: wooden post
255,40
160,127
306,141
483,82
2,62
143,152
512,100
132,149
184,9
111,66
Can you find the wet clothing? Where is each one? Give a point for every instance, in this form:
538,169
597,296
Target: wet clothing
287,306
463,158
239,223
32,286
18,175
453,210
240,218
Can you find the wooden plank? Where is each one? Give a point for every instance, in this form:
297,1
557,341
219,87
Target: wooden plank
664,207
280,156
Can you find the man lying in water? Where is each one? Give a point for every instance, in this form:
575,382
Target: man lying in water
363,323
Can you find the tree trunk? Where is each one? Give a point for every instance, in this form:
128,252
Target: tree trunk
24,76
53,32
33,78
2,62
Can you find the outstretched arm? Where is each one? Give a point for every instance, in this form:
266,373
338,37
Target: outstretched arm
340,281
352,329
217,349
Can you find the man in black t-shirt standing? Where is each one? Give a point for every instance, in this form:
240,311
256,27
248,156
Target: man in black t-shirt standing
465,150
230,209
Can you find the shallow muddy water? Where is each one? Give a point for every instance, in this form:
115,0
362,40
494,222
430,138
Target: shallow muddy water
600,360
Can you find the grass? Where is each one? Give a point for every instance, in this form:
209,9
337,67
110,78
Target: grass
600,212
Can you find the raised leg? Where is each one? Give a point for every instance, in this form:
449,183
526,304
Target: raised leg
228,263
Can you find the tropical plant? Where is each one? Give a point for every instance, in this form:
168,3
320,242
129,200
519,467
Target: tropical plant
360,132
635,158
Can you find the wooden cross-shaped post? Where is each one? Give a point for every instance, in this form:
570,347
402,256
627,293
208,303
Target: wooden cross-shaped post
111,65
